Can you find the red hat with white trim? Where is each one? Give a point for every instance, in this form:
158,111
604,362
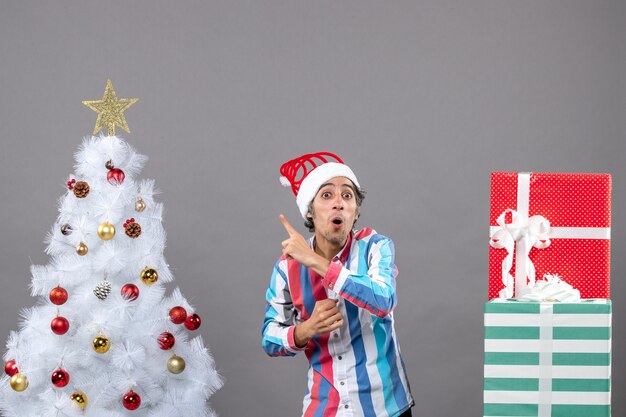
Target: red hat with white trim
306,174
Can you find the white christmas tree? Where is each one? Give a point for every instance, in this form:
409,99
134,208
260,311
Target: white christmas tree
104,339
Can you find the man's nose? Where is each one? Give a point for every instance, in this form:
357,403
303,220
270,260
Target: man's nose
338,203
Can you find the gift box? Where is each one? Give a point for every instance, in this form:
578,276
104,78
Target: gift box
546,359
547,223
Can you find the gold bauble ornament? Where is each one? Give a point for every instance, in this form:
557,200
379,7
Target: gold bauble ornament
176,364
106,231
19,382
82,249
80,399
140,205
149,276
101,344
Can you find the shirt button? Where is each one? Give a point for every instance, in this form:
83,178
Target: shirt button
336,335
342,383
346,406
339,357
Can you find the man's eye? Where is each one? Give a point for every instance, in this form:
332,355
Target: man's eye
326,195
347,195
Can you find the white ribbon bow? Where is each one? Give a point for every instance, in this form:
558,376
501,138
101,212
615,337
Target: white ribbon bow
527,233
550,288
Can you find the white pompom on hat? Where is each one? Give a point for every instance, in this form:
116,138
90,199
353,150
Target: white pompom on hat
307,173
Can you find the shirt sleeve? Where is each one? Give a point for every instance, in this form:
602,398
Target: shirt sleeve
279,325
375,290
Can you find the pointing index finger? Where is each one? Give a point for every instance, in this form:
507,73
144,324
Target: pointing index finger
286,225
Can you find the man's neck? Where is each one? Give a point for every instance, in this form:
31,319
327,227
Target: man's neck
326,249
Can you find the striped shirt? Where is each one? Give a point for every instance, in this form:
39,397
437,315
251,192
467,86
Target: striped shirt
356,370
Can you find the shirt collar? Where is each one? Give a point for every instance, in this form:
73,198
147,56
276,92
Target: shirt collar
343,254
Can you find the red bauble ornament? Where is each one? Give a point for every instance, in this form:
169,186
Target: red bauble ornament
58,295
130,292
60,378
178,315
60,325
11,368
166,340
131,400
115,176
193,322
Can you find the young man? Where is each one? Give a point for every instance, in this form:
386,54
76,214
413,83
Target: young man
333,297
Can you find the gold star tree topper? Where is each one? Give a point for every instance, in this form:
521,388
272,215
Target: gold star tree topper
110,110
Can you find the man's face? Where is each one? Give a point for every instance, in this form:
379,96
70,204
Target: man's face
334,210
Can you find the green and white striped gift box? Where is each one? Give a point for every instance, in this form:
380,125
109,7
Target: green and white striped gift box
547,359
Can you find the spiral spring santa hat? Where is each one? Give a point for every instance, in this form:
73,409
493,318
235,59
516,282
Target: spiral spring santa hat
306,174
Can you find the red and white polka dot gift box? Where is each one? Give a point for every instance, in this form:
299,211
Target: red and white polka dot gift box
550,223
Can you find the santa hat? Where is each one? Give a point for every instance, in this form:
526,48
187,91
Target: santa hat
307,173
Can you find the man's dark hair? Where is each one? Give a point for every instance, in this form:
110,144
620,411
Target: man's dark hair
359,195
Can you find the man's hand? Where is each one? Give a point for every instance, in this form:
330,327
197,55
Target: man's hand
296,247
324,319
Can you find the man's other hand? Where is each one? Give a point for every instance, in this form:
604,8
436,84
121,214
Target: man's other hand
324,319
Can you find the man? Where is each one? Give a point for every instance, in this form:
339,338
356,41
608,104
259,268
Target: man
333,297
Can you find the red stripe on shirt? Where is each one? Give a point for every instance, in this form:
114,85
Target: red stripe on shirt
327,372
295,288
364,232
325,360
315,396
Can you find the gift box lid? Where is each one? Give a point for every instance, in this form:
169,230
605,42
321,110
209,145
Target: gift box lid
566,199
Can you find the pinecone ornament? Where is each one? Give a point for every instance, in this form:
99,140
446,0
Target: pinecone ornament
132,229
81,189
102,290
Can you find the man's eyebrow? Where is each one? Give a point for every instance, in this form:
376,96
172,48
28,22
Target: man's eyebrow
342,185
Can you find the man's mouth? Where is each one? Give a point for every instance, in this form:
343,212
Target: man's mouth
337,221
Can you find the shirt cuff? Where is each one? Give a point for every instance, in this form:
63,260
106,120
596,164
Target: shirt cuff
335,277
291,339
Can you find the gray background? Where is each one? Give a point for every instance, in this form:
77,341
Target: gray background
422,99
